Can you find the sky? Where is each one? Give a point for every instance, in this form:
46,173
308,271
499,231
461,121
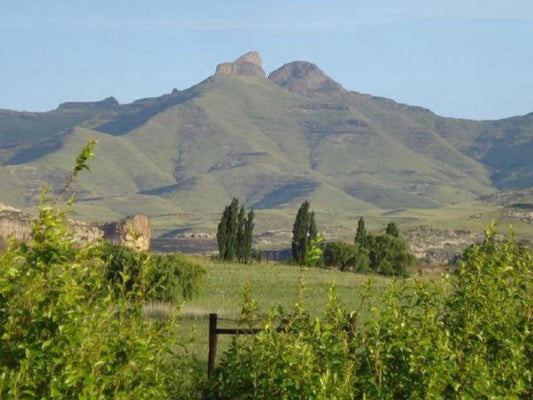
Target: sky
459,58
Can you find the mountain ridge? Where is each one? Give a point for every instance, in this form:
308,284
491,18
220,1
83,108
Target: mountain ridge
272,141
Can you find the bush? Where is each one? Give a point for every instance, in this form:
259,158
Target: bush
346,256
66,334
470,338
3,245
169,277
389,255
173,277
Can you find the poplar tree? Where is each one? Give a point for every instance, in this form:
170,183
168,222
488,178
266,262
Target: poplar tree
240,234
248,236
227,231
361,236
235,233
313,231
300,231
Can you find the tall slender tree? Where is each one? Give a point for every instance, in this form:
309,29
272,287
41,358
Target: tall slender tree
227,231
313,231
240,234
235,233
361,236
300,231
248,236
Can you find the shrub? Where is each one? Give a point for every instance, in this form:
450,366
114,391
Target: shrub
169,277
65,334
346,256
468,338
389,255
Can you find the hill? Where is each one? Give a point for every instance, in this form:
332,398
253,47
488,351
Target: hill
273,142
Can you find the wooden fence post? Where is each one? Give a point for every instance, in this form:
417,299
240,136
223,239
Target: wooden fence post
212,344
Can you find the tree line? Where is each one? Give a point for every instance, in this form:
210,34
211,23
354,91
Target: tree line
385,254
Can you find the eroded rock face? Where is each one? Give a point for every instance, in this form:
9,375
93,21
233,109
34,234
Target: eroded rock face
17,225
434,246
85,233
249,64
133,232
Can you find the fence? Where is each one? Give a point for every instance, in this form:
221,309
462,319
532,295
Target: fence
214,331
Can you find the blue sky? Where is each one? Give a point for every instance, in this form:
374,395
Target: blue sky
470,59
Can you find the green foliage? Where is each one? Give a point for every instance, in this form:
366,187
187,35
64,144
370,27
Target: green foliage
392,229
384,254
388,255
168,277
361,234
235,233
314,251
300,231
172,277
240,234
473,341
346,256
227,231
3,245
306,242
66,334
86,153
248,238
495,330
313,230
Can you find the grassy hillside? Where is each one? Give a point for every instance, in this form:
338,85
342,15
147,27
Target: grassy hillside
271,142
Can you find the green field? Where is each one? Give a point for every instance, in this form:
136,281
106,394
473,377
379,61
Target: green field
271,285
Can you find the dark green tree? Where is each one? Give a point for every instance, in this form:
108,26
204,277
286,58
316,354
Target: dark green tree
346,256
235,233
227,231
313,231
300,231
389,255
392,229
340,254
240,234
248,236
361,234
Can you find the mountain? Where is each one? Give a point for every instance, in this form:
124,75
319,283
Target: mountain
271,141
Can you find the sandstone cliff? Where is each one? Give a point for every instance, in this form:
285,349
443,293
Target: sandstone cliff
134,232
249,64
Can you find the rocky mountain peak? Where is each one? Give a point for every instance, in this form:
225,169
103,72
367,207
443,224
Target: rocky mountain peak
248,64
304,78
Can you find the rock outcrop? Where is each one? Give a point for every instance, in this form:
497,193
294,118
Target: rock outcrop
304,78
17,225
133,232
435,246
249,64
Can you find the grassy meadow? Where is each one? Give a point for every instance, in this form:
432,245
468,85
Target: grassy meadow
271,285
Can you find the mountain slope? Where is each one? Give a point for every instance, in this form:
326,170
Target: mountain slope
271,142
